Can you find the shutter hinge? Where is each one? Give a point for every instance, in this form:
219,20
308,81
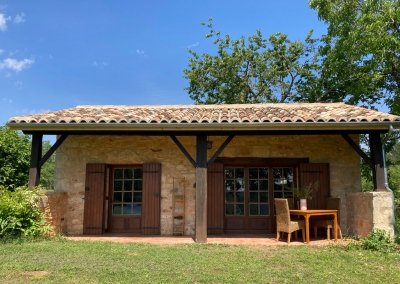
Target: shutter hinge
157,194
149,227
87,188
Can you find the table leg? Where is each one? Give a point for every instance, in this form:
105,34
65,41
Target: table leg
307,229
335,226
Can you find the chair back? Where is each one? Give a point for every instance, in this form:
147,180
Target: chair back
282,211
333,203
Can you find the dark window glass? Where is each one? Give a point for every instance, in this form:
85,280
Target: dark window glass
118,174
128,173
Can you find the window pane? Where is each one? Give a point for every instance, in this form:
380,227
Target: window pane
278,194
117,209
288,174
263,185
117,197
264,209
253,173
128,197
128,173
263,173
229,185
127,209
138,185
277,185
137,197
239,173
239,209
137,209
253,184
239,185
229,173
240,197
229,197
118,185
127,185
278,173
254,196
288,194
138,173
264,197
118,174
253,209
229,209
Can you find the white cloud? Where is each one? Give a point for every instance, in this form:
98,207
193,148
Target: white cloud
193,45
11,53
6,100
16,65
140,52
1,51
19,18
3,22
94,63
51,56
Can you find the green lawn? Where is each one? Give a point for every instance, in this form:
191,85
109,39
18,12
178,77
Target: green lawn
63,261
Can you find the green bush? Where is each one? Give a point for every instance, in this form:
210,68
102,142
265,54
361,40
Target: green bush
20,214
377,240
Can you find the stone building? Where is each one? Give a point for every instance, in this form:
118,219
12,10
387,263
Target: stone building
207,169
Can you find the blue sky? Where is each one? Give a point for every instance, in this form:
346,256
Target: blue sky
60,54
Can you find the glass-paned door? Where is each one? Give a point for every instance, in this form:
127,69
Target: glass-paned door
125,206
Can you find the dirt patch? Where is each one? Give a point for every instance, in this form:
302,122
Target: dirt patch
32,273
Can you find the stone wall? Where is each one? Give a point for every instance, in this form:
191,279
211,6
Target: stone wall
54,205
77,151
368,211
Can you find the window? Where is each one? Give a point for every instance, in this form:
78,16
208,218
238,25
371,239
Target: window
127,191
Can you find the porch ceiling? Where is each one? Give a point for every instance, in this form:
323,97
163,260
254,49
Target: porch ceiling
217,118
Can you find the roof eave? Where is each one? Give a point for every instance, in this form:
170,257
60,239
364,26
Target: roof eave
204,126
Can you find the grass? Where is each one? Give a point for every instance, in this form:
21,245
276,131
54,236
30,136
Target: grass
62,261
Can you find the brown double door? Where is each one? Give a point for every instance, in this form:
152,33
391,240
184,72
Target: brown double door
241,198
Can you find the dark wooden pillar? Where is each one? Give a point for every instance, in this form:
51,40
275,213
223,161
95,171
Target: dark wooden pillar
36,155
201,189
377,157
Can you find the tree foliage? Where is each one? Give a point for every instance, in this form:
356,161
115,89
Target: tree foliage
253,71
14,158
360,53
47,170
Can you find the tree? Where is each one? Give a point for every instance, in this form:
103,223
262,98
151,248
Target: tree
360,53
14,158
256,71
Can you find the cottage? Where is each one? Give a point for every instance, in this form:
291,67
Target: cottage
207,169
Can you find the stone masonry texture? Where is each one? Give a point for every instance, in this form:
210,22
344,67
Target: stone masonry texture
77,151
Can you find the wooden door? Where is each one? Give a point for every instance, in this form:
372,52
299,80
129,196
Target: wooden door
215,199
309,174
151,199
93,216
125,199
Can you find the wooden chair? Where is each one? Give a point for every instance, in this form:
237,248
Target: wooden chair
284,223
333,203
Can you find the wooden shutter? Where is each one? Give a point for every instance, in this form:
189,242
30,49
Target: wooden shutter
215,199
93,216
310,173
151,199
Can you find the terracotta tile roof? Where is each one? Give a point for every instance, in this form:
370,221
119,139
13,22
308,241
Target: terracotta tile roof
209,114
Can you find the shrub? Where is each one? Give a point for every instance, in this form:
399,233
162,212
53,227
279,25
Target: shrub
377,240
20,214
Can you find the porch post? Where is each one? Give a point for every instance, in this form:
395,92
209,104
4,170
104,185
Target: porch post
36,154
378,170
201,189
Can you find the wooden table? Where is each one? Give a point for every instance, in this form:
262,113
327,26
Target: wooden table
318,212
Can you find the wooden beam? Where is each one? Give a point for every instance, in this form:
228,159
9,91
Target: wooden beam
201,189
52,150
221,148
378,170
358,149
180,146
36,154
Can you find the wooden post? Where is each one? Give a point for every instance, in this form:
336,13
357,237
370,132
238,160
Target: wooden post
36,155
201,189
378,170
